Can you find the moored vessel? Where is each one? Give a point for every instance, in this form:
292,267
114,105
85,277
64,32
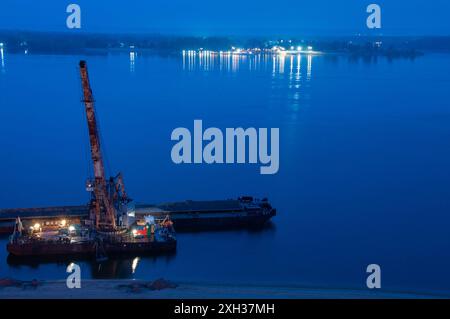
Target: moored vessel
73,241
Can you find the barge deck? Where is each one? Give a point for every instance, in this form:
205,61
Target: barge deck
186,216
33,248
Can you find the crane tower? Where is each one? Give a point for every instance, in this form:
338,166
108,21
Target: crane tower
102,207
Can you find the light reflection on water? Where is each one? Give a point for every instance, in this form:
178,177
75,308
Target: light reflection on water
363,177
132,59
2,58
291,74
229,62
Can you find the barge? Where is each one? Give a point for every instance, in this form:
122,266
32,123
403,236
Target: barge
244,212
52,244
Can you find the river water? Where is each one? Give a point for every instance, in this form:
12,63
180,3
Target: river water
364,161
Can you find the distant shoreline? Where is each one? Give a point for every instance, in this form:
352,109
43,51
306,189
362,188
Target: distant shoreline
34,42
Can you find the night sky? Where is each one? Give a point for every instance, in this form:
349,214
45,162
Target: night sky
231,17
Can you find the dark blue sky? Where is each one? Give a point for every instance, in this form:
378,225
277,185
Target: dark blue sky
231,17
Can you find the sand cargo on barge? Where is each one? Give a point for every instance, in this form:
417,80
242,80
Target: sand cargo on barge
216,214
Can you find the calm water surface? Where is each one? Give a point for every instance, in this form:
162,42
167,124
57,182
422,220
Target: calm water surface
364,161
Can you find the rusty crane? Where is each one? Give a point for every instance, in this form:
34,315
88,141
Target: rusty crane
110,228
106,197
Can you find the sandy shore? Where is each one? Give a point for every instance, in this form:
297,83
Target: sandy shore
135,289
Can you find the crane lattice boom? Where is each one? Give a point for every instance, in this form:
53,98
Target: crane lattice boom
105,217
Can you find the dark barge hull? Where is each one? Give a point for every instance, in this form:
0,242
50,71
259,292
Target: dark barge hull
220,223
88,248
209,215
